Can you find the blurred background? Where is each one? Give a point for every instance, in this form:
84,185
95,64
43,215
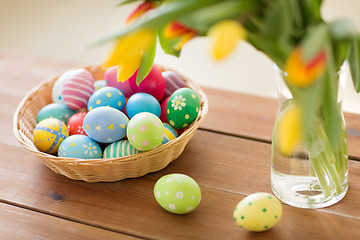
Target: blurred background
66,29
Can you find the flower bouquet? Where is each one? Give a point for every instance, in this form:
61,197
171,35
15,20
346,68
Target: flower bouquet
308,53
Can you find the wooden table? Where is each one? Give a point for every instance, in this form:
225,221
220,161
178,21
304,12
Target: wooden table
229,157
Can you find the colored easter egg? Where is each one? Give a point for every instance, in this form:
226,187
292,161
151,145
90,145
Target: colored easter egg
183,108
48,134
120,148
75,124
173,81
57,89
145,131
169,133
78,89
152,84
98,84
163,106
111,79
105,124
107,97
142,102
258,212
79,146
55,110
177,193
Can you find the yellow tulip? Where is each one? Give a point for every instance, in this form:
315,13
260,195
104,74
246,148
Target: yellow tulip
290,133
301,73
128,52
176,29
225,35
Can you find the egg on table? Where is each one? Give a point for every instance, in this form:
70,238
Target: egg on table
79,146
142,102
177,193
120,148
183,108
75,123
258,212
55,110
145,131
48,134
107,97
105,124
78,89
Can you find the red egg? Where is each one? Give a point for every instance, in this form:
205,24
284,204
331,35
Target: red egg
75,124
163,106
153,84
111,80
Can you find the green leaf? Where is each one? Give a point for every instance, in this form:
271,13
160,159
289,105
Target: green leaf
168,44
341,52
166,12
354,62
314,41
146,63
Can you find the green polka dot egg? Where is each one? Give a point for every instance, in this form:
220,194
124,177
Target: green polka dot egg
258,212
177,193
183,108
145,131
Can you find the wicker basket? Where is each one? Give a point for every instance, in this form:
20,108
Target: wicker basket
99,170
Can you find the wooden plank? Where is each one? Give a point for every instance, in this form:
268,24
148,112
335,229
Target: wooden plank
19,223
226,168
253,117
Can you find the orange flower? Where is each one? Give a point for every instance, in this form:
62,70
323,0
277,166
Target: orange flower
140,10
175,29
301,73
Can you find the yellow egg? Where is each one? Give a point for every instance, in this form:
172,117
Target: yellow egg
258,212
48,135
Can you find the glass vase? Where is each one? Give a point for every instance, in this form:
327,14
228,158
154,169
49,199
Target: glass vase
313,175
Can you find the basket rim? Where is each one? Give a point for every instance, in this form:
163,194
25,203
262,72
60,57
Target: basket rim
120,160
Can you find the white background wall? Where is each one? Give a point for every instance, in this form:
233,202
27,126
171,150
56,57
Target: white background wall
65,30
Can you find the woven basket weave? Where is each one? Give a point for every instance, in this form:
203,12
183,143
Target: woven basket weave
99,170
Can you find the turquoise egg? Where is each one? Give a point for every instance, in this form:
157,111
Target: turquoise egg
121,148
55,110
105,124
169,133
79,146
107,97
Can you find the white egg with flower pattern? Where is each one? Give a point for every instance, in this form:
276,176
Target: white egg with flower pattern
79,146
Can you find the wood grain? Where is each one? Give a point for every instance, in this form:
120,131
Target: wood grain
19,223
129,207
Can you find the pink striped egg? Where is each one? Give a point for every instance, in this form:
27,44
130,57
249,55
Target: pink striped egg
173,82
78,89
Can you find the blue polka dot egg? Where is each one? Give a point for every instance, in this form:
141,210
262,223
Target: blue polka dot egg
107,97
105,124
48,135
79,146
